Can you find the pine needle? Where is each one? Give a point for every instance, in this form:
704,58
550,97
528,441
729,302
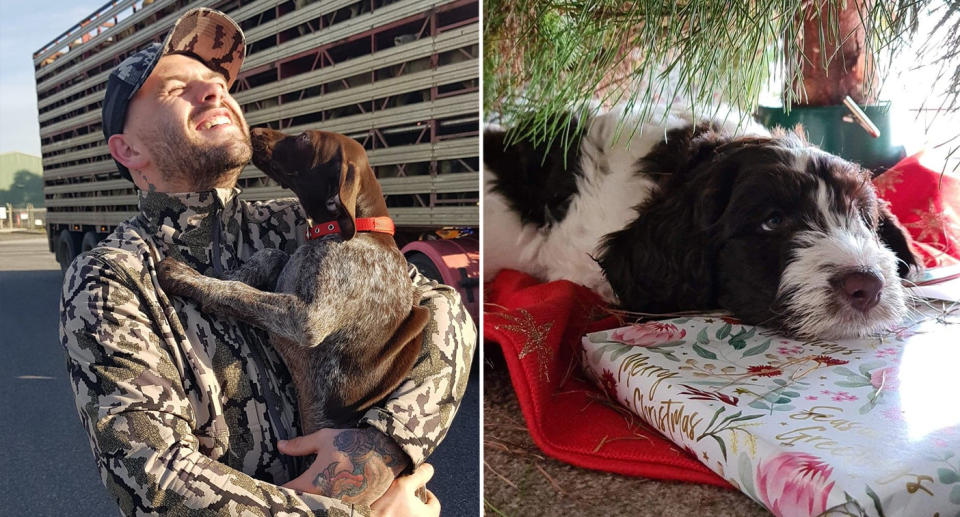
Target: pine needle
556,486
499,475
606,440
559,55
494,508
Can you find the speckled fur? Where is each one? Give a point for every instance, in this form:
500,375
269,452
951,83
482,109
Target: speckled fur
343,312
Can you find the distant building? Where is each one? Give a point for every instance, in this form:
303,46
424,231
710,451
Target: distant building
21,180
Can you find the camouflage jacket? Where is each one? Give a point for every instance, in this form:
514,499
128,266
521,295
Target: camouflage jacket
184,409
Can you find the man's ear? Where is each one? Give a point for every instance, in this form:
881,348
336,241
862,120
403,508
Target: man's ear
127,151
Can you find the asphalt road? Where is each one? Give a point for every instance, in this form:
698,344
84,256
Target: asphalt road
48,468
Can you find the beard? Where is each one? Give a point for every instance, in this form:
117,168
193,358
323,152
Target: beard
203,165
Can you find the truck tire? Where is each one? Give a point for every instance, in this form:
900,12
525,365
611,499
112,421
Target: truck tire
68,246
424,265
454,262
90,240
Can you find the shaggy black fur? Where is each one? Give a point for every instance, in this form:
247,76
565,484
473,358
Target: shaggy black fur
719,232
538,179
895,237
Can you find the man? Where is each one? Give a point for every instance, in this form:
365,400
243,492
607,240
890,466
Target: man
189,412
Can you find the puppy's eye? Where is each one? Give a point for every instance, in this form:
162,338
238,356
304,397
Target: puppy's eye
772,222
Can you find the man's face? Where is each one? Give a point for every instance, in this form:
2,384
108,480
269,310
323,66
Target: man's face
189,126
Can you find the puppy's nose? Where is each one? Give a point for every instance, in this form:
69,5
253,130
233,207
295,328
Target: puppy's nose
862,289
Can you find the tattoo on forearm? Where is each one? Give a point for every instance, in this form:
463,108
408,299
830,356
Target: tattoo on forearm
372,461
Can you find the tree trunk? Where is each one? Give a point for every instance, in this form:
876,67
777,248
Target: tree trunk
829,76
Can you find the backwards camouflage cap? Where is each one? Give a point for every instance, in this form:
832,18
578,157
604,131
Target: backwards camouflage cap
203,34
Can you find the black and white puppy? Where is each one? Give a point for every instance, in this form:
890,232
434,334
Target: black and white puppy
691,216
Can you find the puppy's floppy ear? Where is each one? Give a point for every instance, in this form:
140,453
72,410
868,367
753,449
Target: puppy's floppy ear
651,264
332,198
679,159
625,266
347,200
661,262
713,196
898,240
682,149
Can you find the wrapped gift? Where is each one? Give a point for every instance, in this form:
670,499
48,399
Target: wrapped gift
862,427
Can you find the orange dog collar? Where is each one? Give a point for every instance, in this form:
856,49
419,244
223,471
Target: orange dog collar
364,224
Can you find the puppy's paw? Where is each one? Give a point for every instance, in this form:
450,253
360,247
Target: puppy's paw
177,278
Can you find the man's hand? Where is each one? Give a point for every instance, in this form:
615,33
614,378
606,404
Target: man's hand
402,499
353,465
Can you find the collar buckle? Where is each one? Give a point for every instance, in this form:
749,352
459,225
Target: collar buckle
364,224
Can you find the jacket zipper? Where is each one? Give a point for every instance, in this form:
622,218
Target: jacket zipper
268,393
217,229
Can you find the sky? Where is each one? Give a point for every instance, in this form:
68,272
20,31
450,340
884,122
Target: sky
27,26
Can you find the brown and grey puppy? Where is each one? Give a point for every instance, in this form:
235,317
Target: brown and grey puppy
343,311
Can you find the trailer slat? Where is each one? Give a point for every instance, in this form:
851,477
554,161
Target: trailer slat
353,124
445,150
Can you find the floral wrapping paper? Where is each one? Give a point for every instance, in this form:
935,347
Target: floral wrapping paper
856,427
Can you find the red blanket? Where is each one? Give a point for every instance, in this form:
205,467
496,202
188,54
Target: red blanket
539,327
927,204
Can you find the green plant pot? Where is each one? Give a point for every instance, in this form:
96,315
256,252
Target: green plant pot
826,128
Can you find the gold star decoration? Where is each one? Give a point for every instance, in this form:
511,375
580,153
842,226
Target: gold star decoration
536,339
886,182
932,224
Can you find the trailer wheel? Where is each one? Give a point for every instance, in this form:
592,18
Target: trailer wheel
67,246
90,240
426,266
